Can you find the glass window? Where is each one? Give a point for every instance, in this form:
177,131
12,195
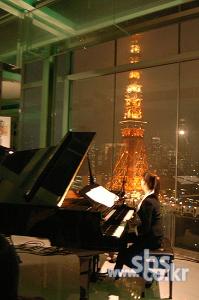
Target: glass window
162,110
187,230
31,118
189,42
9,39
157,116
92,109
33,71
100,56
148,45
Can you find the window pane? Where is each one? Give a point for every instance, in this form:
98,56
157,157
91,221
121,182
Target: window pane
159,110
149,44
187,230
93,110
100,56
9,37
30,122
189,42
33,71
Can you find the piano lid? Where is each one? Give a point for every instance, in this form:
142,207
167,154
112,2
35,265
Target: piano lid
43,176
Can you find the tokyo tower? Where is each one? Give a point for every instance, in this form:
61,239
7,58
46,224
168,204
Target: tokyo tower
132,161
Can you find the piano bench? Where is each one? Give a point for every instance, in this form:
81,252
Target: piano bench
164,254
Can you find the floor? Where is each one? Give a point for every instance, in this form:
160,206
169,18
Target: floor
131,289
56,277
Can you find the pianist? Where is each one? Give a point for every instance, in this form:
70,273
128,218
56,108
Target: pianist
149,233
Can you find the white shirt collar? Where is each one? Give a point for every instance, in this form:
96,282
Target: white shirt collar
144,197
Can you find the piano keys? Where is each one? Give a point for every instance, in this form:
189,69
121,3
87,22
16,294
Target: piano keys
120,229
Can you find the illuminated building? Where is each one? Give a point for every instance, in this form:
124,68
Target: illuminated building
132,161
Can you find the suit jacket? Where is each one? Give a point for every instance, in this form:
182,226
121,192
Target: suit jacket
151,224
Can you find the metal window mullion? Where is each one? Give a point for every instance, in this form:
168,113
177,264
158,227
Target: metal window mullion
182,57
44,104
66,123
66,107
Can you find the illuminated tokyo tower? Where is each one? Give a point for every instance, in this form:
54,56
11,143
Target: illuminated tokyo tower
132,161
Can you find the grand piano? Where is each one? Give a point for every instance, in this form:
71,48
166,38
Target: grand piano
36,199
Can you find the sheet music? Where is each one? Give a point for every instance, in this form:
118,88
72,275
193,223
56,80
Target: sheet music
102,196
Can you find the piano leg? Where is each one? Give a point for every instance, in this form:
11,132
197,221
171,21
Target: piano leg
95,268
85,270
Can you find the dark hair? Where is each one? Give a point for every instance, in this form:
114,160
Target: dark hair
153,182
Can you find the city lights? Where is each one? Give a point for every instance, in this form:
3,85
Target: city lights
181,132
